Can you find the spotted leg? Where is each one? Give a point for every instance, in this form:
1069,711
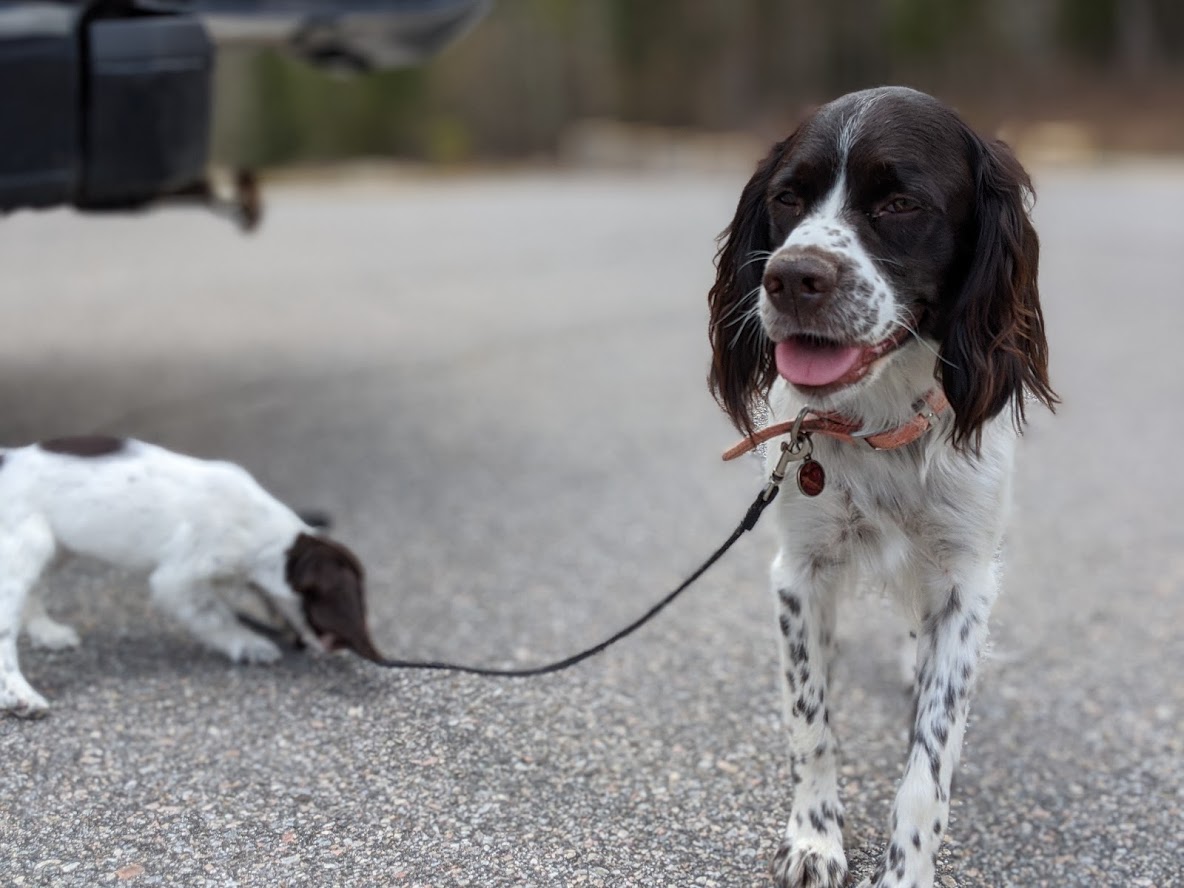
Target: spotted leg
948,646
811,850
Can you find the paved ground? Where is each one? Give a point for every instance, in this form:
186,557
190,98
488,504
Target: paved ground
496,385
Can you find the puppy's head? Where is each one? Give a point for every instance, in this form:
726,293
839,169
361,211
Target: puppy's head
883,236
329,580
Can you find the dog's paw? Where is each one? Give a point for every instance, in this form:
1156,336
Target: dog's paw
808,864
251,648
19,699
885,878
50,635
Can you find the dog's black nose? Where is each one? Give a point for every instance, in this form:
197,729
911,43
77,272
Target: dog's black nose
801,281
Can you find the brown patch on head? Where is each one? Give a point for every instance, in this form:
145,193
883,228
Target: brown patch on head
329,580
84,445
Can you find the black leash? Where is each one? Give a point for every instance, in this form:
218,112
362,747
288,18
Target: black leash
789,452
749,522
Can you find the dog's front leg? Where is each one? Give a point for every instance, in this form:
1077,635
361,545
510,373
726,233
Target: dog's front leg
811,851
193,602
950,639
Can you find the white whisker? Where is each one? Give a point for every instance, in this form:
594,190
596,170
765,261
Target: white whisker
756,256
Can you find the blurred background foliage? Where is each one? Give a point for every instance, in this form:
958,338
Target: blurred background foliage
534,71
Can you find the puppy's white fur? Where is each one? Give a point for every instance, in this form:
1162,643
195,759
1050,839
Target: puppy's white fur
189,525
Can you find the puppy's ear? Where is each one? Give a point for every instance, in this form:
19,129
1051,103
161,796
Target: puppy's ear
742,356
329,579
994,348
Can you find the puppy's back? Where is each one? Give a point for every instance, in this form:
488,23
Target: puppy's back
132,503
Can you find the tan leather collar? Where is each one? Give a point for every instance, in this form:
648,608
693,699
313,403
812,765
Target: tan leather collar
833,425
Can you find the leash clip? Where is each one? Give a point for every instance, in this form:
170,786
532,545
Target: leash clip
799,447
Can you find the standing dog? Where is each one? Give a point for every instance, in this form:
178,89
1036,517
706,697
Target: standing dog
191,525
881,271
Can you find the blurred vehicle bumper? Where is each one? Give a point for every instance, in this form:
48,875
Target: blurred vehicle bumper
349,34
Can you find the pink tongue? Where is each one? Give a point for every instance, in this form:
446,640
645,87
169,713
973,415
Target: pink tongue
804,362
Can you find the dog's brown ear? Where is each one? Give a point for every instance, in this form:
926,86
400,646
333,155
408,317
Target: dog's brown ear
742,356
329,579
994,348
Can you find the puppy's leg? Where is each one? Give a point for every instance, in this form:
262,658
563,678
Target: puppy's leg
811,852
194,603
43,630
26,547
950,640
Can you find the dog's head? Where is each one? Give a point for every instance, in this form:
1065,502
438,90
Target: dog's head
329,581
881,227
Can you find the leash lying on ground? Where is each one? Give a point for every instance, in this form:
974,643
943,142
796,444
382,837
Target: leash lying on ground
811,480
799,449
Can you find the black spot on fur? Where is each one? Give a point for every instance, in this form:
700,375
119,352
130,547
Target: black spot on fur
953,604
916,840
785,624
937,827
817,822
790,602
84,445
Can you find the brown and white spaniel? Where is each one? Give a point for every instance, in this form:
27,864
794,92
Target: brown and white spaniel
881,272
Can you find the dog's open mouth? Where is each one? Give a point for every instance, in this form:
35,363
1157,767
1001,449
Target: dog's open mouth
813,362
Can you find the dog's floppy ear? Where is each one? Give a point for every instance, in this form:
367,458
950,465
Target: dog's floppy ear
742,356
994,348
329,579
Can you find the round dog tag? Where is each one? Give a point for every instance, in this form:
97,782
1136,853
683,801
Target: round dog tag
811,477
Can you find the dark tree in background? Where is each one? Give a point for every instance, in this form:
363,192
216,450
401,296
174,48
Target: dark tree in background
531,70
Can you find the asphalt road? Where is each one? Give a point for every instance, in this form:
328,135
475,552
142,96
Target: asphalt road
496,386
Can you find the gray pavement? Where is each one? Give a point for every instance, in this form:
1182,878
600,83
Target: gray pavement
496,386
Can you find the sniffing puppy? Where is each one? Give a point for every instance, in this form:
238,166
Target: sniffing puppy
880,274
190,525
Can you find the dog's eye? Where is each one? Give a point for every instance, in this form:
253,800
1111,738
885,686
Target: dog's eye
790,200
897,206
